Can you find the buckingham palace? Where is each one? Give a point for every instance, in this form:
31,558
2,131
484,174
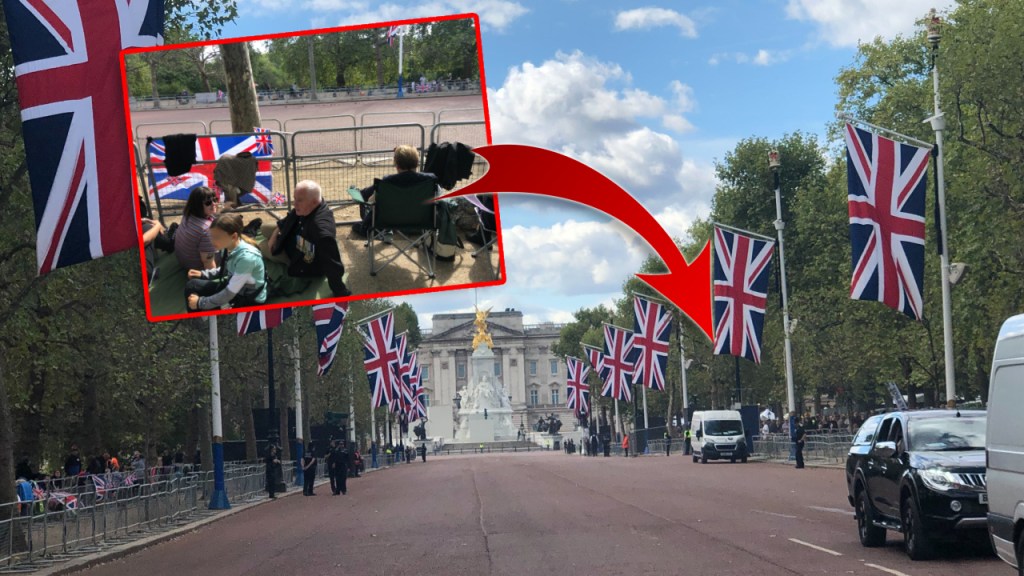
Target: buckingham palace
524,364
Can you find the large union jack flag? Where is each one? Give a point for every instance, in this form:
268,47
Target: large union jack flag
402,391
251,322
66,60
887,187
577,396
742,266
329,320
416,409
380,357
618,362
652,330
209,149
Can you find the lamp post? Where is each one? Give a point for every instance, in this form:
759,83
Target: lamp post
938,123
775,165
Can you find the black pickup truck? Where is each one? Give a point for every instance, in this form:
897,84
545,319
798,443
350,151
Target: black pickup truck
920,473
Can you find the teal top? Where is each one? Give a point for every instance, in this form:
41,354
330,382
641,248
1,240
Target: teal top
245,273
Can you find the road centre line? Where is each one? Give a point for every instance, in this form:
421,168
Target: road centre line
888,570
835,510
818,548
774,514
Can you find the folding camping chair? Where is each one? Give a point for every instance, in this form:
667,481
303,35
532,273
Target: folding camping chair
406,214
481,209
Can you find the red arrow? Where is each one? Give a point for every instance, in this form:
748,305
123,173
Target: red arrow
529,170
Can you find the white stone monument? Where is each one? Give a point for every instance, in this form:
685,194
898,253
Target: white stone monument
486,413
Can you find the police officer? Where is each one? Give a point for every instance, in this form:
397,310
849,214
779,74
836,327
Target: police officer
687,442
668,442
332,466
342,468
272,462
423,451
798,443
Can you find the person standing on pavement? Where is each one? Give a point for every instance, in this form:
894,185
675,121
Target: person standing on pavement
625,445
332,466
309,463
342,468
687,442
798,443
272,462
423,451
668,443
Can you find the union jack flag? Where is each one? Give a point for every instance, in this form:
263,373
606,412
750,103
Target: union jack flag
100,484
209,149
596,359
618,362
264,143
380,357
742,266
329,320
419,410
251,322
577,397
402,391
887,186
392,32
66,60
652,330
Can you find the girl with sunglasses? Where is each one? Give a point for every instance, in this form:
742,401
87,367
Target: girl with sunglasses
192,243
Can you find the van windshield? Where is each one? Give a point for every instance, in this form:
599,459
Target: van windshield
723,427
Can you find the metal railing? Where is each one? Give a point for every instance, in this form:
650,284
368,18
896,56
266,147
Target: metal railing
225,125
84,520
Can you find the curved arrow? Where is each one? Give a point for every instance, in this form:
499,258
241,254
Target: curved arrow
529,170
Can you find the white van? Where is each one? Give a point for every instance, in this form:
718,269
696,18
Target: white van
718,435
1005,444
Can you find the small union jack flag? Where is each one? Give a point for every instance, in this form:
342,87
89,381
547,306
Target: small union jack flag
887,186
264,143
742,266
329,320
618,362
66,61
250,322
652,329
577,397
380,357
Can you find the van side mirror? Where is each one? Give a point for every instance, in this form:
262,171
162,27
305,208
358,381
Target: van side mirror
885,449
699,434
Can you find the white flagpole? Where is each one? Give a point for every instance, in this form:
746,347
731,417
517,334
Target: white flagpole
938,122
401,92
618,424
299,445
682,366
787,328
219,497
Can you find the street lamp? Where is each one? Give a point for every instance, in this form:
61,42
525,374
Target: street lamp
774,163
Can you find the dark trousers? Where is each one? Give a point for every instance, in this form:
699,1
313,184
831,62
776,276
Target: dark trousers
334,481
202,287
342,480
799,454
688,447
271,480
668,448
307,482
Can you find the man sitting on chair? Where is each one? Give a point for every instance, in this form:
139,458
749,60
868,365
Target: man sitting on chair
407,161
306,237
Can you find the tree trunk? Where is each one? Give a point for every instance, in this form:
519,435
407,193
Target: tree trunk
7,492
206,437
251,453
242,103
32,421
286,449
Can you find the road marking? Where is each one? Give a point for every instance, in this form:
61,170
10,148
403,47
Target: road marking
818,548
775,514
836,510
884,569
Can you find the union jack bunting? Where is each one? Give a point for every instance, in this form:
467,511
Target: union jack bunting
209,149
652,329
577,397
250,322
618,362
66,61
887,186
380,358
329,320
742,265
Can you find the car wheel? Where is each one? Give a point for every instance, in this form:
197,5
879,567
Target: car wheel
694,458
744,460
732,460
915,541
871,536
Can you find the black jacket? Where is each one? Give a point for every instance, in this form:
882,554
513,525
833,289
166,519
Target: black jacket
317,255
400,179
451,162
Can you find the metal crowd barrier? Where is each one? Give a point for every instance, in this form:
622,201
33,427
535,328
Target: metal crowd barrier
339,158
279,162
320,122
392,117
464,114
34,536
161,129
225,125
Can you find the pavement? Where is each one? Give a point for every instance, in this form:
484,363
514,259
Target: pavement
551,513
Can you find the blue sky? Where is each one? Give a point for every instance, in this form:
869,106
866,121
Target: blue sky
651,94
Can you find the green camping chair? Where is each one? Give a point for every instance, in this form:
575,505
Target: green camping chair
409,216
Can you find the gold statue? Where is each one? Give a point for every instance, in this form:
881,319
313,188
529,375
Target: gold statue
481,329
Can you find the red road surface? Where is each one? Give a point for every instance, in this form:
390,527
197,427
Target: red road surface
549,513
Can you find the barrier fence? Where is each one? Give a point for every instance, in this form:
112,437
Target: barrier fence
225,125
38,534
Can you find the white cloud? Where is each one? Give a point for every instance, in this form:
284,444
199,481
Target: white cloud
762,57
844,23
495,15
676,123
652,17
